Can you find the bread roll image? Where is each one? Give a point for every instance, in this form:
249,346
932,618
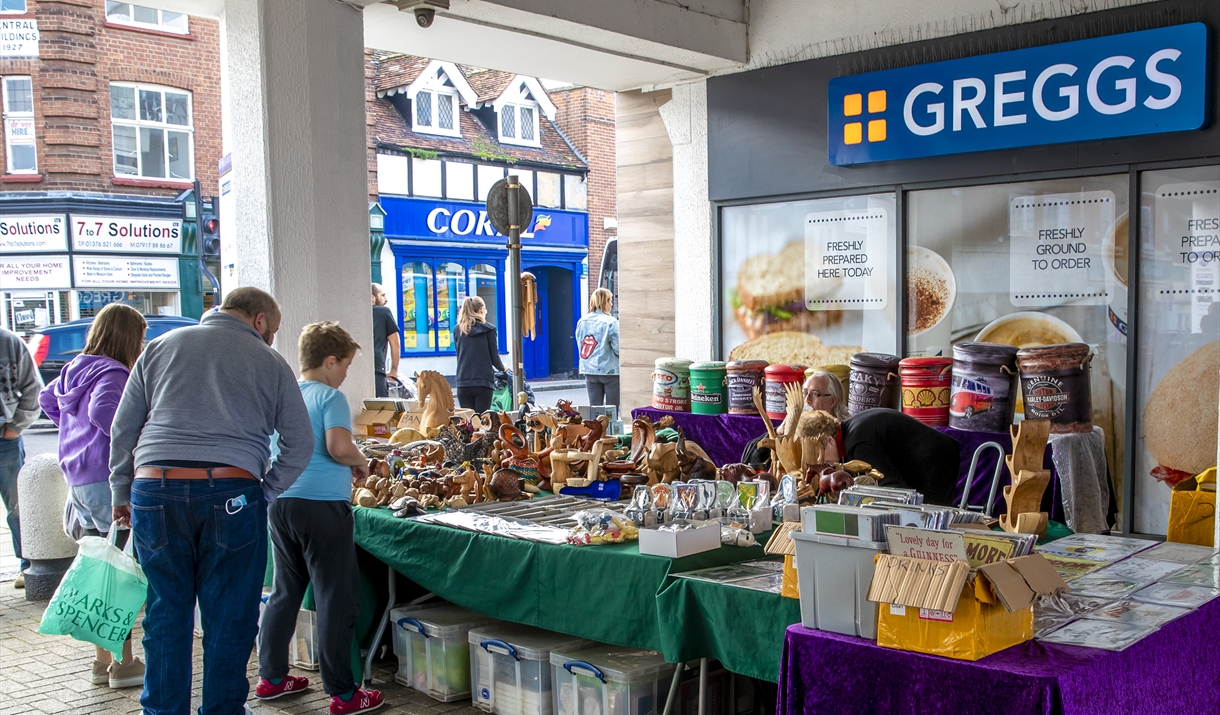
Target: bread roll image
786,347
1180,417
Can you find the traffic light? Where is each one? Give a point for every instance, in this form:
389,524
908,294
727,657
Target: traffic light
209,226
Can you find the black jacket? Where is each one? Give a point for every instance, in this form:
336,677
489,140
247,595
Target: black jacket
478,356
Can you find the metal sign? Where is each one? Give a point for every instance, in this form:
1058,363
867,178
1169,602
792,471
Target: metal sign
497,207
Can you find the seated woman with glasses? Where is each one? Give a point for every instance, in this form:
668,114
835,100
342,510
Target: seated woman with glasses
906,451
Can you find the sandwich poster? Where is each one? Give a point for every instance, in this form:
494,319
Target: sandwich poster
808,282
1179,367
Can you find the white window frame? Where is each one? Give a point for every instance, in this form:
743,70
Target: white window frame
24,10
21,115
159,26
138,124
433,127
515,109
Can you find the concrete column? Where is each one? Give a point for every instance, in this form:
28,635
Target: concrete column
695,296
295,126
43,496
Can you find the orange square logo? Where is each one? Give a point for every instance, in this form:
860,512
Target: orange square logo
852,105
876,101
852,133
876,130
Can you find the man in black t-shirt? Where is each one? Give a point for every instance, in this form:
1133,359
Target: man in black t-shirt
385,337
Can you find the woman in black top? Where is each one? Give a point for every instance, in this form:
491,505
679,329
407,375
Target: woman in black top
478,355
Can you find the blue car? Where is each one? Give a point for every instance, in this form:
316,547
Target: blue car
54,346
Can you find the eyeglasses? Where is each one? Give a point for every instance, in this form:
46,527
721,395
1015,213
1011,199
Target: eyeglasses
817,395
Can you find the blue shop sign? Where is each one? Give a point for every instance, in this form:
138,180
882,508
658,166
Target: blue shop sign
1146,82
467,221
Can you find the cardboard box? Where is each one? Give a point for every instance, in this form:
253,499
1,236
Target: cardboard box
379,418
676,544
943,608
781,543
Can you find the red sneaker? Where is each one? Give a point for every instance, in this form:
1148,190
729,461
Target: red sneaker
362,702
290,684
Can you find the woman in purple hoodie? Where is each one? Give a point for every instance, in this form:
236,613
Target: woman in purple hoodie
81,402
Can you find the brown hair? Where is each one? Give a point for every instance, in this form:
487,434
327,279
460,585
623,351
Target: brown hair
250,301
466,317
319,341
602,300
117,332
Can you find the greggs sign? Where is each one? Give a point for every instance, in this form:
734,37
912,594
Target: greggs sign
1147,82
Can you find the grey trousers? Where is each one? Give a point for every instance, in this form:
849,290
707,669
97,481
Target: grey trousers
313,543
603,389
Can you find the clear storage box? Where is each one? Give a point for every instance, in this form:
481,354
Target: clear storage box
432,648
510,667
609,680
304,651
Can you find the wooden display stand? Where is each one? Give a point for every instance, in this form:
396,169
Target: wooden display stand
1029,479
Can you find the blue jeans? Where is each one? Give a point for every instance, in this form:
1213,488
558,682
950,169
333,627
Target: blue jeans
196,541
12,456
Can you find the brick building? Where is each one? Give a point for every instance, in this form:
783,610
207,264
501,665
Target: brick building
111,111
439,136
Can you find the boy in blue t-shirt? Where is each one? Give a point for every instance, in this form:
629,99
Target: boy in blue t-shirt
311,531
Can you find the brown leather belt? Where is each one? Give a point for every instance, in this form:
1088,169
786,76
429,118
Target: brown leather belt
198,473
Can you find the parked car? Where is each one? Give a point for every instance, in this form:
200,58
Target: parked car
54,346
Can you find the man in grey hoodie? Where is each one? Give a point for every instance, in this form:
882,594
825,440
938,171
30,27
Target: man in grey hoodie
19,388
190,446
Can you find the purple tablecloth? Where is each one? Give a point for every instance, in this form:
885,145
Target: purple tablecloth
725,436
1174,670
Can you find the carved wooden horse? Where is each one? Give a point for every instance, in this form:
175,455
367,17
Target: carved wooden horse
437,399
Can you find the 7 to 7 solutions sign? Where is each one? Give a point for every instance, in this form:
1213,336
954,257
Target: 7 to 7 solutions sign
1147,82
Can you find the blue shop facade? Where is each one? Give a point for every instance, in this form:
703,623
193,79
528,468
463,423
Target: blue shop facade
443,251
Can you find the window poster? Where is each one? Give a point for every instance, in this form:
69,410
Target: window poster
1179,365
808,282
1055,255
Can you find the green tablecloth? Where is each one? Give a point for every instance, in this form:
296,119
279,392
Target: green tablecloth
604,593
742,628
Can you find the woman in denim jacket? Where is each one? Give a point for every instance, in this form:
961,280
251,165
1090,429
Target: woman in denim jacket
597,339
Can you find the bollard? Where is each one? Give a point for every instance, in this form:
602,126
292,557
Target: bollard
42,495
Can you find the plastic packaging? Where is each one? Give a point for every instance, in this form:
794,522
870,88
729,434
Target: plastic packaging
601,526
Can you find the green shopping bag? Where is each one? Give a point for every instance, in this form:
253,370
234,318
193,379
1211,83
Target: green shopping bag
100,595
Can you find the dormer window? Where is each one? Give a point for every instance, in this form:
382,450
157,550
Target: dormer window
436,112
519,124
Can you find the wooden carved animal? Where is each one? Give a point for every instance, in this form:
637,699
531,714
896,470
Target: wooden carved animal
437,399
458,450
661,464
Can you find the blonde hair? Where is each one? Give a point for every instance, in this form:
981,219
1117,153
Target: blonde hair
602,299
319,341
117,332
468,316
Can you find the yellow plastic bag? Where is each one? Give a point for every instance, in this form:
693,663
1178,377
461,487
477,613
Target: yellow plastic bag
788,587
1192,510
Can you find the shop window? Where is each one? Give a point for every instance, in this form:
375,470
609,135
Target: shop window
426,177
548,190
822,267
488,175
459,181
152,132
432,296
484,284
392,175
436,112
450,292
124,13
14,6
1027,264
19,131
1178,334
418,316
519,124
575,192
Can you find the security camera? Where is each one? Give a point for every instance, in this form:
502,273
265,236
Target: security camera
425,10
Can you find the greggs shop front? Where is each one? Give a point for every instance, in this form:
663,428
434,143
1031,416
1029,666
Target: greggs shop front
1049,183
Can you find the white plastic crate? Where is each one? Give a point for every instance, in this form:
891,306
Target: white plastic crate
609,680
833,575
304,651
432,648
510,667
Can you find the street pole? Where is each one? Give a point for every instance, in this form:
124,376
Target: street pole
514,287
